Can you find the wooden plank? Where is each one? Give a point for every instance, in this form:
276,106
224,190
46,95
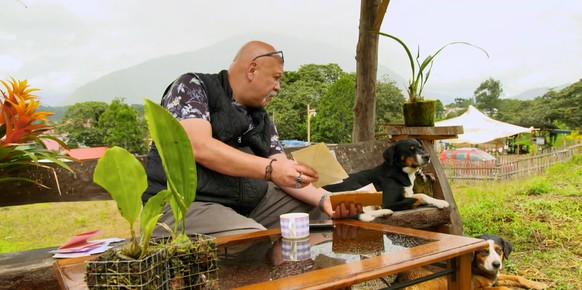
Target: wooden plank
443,132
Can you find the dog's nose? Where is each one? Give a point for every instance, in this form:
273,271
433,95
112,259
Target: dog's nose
496,264
426,157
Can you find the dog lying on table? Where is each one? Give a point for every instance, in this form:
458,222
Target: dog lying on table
485,267
394,178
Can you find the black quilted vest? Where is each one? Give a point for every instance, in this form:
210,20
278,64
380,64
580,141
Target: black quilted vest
229,125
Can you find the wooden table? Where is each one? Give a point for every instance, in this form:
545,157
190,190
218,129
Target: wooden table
358,251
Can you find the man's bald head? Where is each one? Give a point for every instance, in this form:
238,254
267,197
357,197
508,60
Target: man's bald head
252,49
255,72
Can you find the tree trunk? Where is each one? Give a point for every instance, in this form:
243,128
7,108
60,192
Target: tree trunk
366,72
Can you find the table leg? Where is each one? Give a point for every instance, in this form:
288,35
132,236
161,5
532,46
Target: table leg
462,279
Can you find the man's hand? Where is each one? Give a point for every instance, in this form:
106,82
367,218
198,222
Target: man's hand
286,174
342,210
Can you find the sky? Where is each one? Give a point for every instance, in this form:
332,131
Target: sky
60,45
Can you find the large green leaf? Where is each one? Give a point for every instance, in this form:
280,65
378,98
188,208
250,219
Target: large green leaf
124,177
175,150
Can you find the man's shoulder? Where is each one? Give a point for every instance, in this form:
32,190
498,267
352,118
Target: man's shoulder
189,77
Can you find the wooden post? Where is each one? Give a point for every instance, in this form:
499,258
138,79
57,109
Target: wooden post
366,73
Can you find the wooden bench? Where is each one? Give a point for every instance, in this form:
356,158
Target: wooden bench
33,269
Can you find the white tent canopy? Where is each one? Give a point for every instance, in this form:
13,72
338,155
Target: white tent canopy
479,128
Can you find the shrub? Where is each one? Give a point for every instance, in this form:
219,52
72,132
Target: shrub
22,129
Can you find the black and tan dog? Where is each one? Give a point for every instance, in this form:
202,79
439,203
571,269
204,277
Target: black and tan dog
485,268
394,178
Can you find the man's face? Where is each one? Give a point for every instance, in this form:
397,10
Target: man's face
267,79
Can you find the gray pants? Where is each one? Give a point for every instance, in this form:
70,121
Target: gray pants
218,220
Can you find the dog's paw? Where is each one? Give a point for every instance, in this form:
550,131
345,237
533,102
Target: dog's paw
371,212
440,204
381,213
371,208
366,217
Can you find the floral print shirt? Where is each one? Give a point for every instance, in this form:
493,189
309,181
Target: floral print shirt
187,99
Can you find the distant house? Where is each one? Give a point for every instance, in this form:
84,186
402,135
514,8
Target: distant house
77,153
86,153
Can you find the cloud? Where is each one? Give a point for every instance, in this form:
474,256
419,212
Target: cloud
63,44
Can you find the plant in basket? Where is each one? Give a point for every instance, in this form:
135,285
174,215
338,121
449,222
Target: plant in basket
135,265
192,260
124,177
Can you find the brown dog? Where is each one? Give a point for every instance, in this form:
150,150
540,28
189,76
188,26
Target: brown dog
485,271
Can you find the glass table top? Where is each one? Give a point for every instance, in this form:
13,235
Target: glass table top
272,257
336,255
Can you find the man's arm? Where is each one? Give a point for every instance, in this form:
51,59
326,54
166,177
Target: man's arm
217,156
312,195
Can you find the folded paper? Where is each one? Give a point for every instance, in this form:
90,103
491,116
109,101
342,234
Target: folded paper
319,158
79,242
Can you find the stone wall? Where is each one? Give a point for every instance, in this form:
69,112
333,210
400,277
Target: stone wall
79,186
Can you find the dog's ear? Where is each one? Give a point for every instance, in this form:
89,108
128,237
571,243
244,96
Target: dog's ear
507,247
389,154
505,244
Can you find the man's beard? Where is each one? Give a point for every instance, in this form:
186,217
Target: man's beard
265,101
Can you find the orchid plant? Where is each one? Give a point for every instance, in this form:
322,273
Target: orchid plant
124,177
22,129
420,77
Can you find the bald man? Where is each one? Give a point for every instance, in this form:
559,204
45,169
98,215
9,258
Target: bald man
245,180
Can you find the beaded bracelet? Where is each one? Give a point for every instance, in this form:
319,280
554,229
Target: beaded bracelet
269,170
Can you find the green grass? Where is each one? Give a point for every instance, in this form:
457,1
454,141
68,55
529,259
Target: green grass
541,216
51,224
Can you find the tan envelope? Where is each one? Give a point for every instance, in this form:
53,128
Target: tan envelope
319,158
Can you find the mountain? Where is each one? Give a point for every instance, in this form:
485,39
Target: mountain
536,92
149,79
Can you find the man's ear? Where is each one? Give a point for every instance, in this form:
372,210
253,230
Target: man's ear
252,69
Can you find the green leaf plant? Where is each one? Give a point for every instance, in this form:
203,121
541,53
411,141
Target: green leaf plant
124,177
420,77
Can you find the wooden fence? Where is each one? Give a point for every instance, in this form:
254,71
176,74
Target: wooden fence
507,167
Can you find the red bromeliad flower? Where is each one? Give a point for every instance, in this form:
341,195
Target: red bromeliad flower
21,128
19,121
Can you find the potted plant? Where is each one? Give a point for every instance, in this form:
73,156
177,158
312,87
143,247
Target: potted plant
22,129
192,259
135,265
144,265
418,111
